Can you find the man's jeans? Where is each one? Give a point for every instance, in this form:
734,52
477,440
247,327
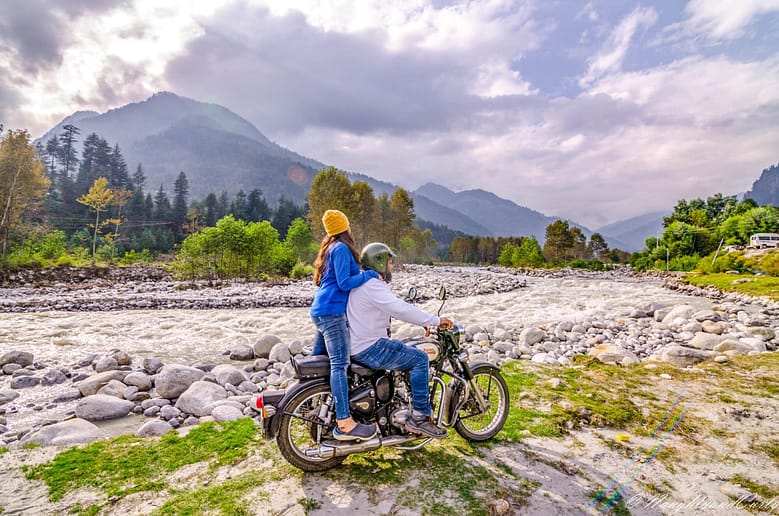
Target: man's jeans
332,339
396,356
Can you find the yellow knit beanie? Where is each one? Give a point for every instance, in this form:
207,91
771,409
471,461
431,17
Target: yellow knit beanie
335,222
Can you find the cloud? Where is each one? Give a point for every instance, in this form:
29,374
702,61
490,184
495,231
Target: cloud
724,19
35,31
610,57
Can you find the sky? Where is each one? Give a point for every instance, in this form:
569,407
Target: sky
594,111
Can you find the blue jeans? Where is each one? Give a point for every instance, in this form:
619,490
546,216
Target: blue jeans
332,339
396,356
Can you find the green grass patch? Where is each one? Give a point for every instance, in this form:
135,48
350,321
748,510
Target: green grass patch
447,480
762,490
3,449
228,498
128,464
770,448
755,286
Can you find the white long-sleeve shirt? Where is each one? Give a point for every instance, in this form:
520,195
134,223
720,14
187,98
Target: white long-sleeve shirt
369,310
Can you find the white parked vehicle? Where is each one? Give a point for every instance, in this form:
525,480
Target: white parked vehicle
763,240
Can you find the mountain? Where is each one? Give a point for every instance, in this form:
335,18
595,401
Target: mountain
217,149
499,216
765,191
634,231
220,151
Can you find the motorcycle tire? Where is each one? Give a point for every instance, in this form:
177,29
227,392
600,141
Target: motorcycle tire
475,426
299,427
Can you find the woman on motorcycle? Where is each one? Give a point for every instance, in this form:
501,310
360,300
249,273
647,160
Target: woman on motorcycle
336,272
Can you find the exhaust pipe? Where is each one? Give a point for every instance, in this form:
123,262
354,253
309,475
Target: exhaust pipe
330,449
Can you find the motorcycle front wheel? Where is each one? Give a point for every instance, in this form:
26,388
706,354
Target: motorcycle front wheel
300,429
472,423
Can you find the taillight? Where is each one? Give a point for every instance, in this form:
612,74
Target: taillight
264,409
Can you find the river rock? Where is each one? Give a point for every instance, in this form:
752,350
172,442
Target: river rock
138,379
531,335
683,356
613,354
66,433
174,379
25,382
761,332
199,398
755,343
53,377
738,348
715,327
113,388
242,352
226,413
94,383
264,345
226,373
152,365
153,428
678,312
106,364
122,358
22,358
706,341
67,395
100,407
6,396
280,353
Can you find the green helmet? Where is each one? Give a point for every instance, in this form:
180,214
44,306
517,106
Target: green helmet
375,257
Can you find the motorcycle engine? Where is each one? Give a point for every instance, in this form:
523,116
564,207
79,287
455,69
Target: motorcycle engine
362,400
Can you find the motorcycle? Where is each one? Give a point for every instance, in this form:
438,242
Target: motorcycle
471,398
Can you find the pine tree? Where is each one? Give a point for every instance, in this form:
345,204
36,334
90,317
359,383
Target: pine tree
162,206
181,191
257,209
211,207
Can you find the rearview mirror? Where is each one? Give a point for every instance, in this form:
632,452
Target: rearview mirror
442,293
412,294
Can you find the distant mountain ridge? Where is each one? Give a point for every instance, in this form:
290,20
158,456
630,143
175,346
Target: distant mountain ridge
221,151
765,190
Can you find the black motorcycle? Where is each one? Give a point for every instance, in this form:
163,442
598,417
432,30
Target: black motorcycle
472,398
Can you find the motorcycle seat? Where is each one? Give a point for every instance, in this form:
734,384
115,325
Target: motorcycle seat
318,366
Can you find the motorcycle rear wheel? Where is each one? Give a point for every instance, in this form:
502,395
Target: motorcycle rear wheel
299,427
476,426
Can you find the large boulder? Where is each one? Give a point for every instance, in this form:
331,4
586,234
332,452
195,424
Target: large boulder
280,353
683,356
242,352
174,379
226,373
94,383
154,428
101,407
264,344
199,398
66,433
6,396
531,335
706,341
138,379
678,312
613,354
226,413
22,358
113,388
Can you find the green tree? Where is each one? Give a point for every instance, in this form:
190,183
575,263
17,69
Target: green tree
598,248
23,181
528,253
330,190
300,241
559,242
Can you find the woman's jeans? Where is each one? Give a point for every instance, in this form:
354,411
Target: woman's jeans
332,339
396,356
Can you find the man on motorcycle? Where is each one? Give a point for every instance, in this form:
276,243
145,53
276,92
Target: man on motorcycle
368,311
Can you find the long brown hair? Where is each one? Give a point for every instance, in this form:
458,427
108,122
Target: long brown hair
324,248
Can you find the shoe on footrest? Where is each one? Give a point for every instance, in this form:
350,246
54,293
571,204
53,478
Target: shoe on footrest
360,432
424,426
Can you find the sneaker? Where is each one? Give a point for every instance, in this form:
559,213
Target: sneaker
360,432
424,426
